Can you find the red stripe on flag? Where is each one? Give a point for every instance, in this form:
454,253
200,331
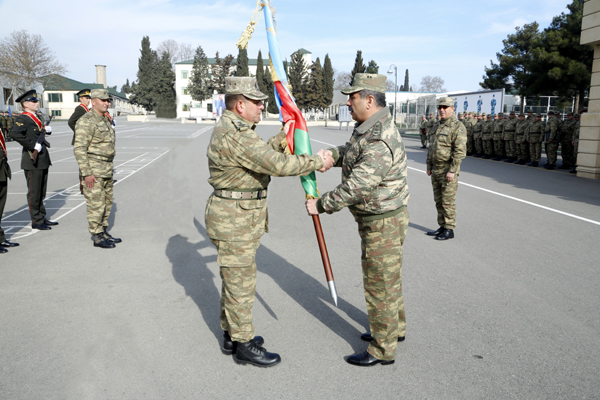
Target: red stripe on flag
290,112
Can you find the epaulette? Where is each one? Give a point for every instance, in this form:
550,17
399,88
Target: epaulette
377,130
240,125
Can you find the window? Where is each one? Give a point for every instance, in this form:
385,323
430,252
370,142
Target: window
184,90
186,107
7,93
54,97
75,98
209,107
56,113
184,74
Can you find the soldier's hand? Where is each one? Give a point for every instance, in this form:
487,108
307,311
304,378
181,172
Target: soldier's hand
327,157
89,181
428,172
286,127
48,129
450,176
311,207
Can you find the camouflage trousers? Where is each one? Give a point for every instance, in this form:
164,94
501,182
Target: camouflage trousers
237,268
99,201
552,152
575,150
488,147
535,151
423,139
521,148
499,147
510,147
381,246
478,146
444,194
469,144
567,153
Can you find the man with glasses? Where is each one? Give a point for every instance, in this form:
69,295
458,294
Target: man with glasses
94,151
445,154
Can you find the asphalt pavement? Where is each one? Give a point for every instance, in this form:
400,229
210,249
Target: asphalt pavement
508,309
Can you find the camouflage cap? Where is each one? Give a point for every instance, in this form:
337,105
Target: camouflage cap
446,101
521,115
489,115
483,114
101,94
512,113
460,114
570,114
576,115
478,115
374,82
538,115
246,86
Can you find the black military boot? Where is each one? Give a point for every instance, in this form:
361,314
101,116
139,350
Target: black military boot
478,155
447,234
100,241
251,353
111,239
229,345
435,233
535,164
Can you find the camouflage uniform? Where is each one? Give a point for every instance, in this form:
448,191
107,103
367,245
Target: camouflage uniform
576,140
445,155
486,137
241,165
521,143
552,140
535,135
497,134
10,121
374,188
423,132
430,127
477,135
94,151
566,143
5,175
510,127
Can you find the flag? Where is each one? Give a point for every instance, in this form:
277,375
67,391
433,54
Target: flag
297,138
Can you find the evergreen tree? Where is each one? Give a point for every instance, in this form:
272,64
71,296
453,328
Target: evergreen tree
260,73
220,70
199,83
328,80
143,91
315,93
359,66
126,88
166,101
406,85
372,68
242,63
271,102
297,78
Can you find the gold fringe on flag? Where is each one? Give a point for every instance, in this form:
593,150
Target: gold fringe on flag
242,42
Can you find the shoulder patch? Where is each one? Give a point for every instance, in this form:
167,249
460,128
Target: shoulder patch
18,123
377,130
240,125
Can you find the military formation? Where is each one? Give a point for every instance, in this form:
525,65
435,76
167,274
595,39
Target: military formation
94,149
516,139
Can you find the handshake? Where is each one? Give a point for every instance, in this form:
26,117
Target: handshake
327,157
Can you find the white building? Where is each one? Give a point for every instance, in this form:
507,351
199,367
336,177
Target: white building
7,99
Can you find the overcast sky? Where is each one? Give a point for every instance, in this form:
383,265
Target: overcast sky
453,40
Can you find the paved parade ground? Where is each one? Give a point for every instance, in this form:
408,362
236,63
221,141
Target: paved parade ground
507,309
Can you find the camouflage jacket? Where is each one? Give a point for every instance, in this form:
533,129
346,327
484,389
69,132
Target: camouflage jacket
239,160
448,148
576,132
430,124
477,129
94,146
2,122
498,129
521,129
374,174
510,128
423,127
535,132
486,131
568,130
552,129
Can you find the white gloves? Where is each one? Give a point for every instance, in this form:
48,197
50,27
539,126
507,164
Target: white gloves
48,129
38,147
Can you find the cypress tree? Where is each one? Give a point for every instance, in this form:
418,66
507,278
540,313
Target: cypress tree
372,68
406,85
166,102
359,66
328,80
315,94
199,83
260,73
297,79
143,91
272,104
242,63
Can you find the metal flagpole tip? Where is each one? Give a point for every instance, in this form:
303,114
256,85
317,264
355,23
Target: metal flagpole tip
333,292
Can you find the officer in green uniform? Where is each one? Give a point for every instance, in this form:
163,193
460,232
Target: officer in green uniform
241,165
27,132
535,136
4,177
520,142
94,150
374,188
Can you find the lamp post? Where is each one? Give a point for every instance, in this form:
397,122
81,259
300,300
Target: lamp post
395,88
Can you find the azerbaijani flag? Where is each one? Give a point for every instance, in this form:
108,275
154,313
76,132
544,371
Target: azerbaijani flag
297,137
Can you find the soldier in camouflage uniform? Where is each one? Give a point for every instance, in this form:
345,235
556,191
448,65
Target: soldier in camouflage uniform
477,134
443,165
566,142
575,142
520,142
534,135
486,137
241,165
510,127
497,133
10,121
470,123
3,124
552,140
430,124
423,132
5,175
375,190
94,151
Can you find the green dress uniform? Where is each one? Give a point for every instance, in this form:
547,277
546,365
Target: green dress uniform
79,112
5,175
94,150
26,131
241,165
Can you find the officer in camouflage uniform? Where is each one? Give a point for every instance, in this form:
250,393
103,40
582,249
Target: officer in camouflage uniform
520,142
443,165
566,142
375,190
552,140
486,137
423,132
470,123
535,136
497,134
510,127
10,121
3,124
94,151
241,165
477,134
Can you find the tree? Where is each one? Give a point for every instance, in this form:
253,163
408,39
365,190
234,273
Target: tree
199,85
315,93
432,84
169,47
242,63
342,80
391,86
271,102
328,80
359,66
164,90
297,78
126,88
143,91
186,52
406,85
372,68
220,70
25,59
260,72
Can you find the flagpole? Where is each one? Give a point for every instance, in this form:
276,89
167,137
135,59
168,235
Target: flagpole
325,258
